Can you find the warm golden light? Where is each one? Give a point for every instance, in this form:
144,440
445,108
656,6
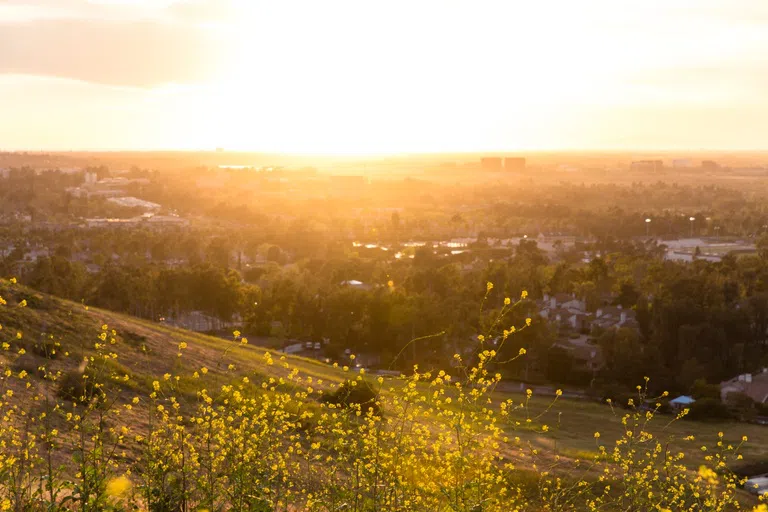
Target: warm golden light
373,77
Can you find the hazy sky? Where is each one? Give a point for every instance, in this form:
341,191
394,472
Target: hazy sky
383,76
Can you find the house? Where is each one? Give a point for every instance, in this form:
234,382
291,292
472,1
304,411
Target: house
565,311
569,318
681,402
614,317
754,386
586,356
563,301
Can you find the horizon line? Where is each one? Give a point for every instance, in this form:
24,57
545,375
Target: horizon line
386,153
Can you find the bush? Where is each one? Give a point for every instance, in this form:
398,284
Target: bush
352,393
741,406
762,409
709,409
80,386
30,364
46,349
136,340
701,389
41,302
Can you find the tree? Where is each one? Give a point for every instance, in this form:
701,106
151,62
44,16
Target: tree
628,295
59,276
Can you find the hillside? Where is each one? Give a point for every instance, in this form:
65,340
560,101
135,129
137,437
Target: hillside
146,349
157,369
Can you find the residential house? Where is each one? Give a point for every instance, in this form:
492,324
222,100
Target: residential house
565,311
586,356
753,385
614,317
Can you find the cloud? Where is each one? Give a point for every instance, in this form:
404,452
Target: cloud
128,53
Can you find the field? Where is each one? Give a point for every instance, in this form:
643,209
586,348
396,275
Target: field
561,431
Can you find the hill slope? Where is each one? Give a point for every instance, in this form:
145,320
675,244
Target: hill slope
157,368
146,349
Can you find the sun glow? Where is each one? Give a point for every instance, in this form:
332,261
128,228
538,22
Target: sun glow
343,76
360,78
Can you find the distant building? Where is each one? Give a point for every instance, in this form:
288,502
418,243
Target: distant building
614,317
4,173
647,165
133,202
709,165
165,220
514,164
755,386
148,219
491,163
89,192
681,163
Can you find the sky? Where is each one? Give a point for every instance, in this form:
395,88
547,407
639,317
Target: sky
386,76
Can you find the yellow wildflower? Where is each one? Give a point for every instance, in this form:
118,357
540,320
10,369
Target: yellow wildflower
118,486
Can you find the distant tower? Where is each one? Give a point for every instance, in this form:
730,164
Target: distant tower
491,163
514,164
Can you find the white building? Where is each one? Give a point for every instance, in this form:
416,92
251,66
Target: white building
134,202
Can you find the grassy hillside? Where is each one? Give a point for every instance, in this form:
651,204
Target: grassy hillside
144,370
146,348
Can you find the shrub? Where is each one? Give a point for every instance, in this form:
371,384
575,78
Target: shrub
351,393
46,349
41,302
136,340
701,389
30,364
709,409
80,386
741,406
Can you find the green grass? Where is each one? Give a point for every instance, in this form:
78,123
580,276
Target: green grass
573,424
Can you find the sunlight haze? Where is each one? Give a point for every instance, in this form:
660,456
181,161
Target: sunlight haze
379,77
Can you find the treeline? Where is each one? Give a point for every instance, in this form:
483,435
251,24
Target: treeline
694,321
290,211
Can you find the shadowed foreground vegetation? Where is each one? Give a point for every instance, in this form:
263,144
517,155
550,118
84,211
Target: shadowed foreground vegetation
102,412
